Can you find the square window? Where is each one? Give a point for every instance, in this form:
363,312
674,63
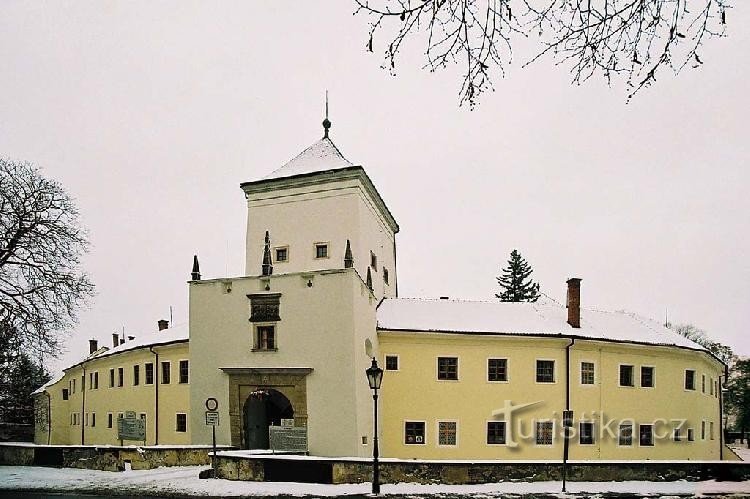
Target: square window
166,371
647,377
447,432
497,369
447,368
586,435
265,338
184,371
587,373
181,423
136,375
149,373
391,362
690,379
385,275
626,434
282,255
496,432
646,435
414,433
321,250
544,432
626,375
373,261
545,371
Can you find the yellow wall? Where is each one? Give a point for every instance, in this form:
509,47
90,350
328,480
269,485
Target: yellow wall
83,418
413,393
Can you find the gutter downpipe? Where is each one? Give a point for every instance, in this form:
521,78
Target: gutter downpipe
156,396
49,417
722,426
566,440
83,406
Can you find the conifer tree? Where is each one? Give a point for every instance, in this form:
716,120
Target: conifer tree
516,281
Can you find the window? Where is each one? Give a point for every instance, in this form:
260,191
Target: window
626,375
93,419
282,255
111,378
447,432
703,383
86,419
447,368
626,434
181,423
184,371
93,380
391,362
65,394
496,433
72,386
321,250
544,432
677,437
166,371
96,380
587,373
414,433
711,385
497,369
149,373
586,435
136,375
691,435
703,430
109,420
689,379
545,371
647,377
716,389
265,338
120,415
373,261
385,275
646,434
120,376
142,416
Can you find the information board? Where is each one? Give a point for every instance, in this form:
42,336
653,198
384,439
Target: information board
212,418
286,439
131,428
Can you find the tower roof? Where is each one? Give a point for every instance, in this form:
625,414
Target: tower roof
322,156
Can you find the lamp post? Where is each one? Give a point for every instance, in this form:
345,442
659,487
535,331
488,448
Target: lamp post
374,379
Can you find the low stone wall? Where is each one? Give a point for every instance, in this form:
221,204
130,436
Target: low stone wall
104,458
233,466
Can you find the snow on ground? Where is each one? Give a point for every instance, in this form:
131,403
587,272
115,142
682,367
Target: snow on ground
742,451
185,481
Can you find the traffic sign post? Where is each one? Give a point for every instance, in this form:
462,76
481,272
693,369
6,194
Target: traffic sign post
212,420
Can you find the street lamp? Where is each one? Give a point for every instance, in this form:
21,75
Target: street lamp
374,379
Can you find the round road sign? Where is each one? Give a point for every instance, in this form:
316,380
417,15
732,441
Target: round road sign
212,404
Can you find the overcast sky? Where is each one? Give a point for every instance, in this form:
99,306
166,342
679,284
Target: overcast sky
151,114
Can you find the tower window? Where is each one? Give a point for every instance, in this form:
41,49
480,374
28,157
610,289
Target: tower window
321,250
265,338
282,254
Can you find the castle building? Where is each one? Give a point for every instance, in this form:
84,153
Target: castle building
284,345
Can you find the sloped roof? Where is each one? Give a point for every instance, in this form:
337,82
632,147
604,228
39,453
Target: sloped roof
322,156
545,317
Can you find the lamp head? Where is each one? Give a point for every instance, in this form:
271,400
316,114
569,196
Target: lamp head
374,375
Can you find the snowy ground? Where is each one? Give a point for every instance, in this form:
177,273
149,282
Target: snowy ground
742,451
184,481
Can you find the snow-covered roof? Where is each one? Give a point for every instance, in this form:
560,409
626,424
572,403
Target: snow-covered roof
545,317
322,156
54,379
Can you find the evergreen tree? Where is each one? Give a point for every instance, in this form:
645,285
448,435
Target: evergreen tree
516,281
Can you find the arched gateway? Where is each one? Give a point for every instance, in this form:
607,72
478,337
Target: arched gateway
264,407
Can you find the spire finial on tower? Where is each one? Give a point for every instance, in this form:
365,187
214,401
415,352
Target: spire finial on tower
348,258
196,273
326,121
267,267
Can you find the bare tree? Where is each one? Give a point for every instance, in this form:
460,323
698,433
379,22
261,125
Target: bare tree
41,244
632,39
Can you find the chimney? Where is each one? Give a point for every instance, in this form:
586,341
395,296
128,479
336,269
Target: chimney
93,346
574,302
115,340
163,324
131,338
122,341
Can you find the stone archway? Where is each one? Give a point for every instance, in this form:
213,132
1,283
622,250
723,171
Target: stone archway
263,408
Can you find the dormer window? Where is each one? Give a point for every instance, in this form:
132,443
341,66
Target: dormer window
321,250
282,254
373,261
